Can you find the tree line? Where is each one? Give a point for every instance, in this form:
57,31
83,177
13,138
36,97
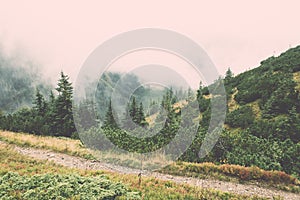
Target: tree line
52,116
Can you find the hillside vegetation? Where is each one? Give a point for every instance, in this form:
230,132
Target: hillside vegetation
263,121
25,178
260,139
232,173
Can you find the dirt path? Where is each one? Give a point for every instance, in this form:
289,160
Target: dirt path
75,162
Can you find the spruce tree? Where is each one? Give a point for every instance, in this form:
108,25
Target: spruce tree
39,113
40,105
110,121
64,122
229,74
133,110
141,116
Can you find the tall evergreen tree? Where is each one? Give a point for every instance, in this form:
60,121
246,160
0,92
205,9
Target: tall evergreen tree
141,116
133,110
40,105
110,121
39,112
64,122
229,74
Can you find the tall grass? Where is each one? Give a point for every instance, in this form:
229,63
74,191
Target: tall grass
150,188
226,172
61,145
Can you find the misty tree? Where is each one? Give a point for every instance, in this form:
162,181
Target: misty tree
141,116
229,74
39,104
133,110
39,112
137,113
110,121
64,122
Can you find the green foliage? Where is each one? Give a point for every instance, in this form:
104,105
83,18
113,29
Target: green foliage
282,99
64,122
265,133
229,74
241,117
53,117
49,186
110,121
136,112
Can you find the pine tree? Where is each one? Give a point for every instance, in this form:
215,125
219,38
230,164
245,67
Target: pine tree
50,118
133,110
40,105
229,74
141,116
110,121
39,113
64,122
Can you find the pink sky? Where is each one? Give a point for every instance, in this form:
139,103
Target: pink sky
61,34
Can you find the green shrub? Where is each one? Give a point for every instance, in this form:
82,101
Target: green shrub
49,186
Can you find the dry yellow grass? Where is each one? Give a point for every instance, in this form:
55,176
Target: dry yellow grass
255,108
63,145
209,96
75,148
180,104
151,119
232,104
133,160
297,80
150,187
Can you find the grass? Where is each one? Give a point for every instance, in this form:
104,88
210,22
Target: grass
296,77
75,148
202,170
232,104
255,108
61,145
133,160
151,119
235,173
150,188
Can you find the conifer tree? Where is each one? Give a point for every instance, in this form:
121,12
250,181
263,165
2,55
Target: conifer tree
40,105
141,116
39,112
229,74
133,110
64,122
110,121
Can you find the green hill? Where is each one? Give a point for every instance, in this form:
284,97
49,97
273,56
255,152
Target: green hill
262,125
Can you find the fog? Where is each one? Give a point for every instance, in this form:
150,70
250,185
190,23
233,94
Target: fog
19,78
60,35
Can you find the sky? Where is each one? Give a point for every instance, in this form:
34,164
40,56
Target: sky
61,34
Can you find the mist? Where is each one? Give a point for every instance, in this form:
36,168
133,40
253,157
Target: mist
20,76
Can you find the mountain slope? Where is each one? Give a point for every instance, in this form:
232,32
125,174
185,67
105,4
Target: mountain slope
262,126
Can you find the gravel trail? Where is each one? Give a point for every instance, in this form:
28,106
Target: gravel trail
81,163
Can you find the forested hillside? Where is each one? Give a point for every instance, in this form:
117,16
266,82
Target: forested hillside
262,126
